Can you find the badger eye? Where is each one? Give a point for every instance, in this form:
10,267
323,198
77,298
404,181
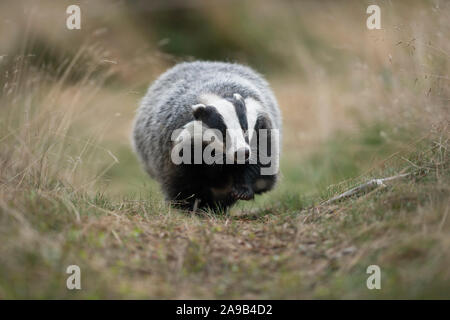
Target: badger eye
245,132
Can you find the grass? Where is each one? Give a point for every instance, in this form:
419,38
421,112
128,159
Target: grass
283,247
72,191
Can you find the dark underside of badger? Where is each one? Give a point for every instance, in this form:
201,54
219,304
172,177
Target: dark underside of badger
219,186
216,186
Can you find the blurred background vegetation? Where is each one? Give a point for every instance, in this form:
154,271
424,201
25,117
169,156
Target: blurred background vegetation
328,70
351,98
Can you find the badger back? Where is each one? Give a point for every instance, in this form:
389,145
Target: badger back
167,106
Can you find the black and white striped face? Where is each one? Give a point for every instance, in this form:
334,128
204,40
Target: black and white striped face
231,118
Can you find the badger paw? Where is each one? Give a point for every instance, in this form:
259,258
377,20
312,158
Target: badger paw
242,193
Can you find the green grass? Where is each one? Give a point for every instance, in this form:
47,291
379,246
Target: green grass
285,245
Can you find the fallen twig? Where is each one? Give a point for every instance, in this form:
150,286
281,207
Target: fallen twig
365,187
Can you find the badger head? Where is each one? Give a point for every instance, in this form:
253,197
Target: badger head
229,118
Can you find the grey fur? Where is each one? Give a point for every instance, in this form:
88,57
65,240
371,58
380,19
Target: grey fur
167,106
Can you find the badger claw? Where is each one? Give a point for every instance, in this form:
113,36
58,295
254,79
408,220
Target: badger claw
242,193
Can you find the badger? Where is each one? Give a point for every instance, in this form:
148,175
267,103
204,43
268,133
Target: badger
230,100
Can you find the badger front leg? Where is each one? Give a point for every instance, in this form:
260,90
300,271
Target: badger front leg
261,182
249,179
242,183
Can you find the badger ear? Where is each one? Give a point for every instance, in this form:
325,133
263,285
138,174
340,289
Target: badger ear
198,110
237,96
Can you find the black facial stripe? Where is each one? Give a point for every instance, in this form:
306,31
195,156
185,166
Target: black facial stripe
241,112
214,120
263,122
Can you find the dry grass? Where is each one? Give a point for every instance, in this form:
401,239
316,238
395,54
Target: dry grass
358,104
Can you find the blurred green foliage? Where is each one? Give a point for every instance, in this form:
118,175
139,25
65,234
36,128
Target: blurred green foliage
199,33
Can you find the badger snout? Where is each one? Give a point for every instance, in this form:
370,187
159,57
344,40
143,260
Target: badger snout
242,155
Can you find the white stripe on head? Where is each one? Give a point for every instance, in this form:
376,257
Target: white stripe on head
253,109
228,113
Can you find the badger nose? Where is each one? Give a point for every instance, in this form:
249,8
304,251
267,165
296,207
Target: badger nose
242,155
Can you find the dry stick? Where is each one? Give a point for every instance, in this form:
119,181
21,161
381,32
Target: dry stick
365,187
